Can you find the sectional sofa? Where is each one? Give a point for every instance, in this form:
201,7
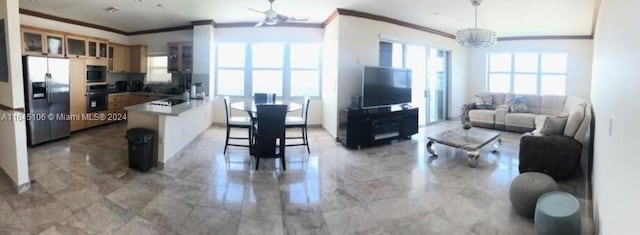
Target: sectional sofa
557,155
539,107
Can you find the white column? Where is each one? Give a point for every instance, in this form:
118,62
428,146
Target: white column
204,57
13,147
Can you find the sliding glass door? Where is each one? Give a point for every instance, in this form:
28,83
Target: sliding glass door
430,76
436,91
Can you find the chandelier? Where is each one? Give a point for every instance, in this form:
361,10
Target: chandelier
476,37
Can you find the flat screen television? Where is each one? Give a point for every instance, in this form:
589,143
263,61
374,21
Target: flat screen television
383,86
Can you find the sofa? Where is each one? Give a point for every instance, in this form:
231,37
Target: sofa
557,155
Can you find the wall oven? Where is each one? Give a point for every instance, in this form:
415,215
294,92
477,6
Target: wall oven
97,98
96,74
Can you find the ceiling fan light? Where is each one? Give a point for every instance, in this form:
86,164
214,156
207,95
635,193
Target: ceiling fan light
476,37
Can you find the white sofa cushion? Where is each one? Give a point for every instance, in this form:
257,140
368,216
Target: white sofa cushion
526,120
552,105
576,115
553,125
482,115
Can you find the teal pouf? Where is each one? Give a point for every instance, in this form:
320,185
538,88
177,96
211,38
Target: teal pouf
525,190
557,213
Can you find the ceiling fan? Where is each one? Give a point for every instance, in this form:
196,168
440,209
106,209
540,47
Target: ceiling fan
272,17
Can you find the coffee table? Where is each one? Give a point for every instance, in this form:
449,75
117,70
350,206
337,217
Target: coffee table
471,140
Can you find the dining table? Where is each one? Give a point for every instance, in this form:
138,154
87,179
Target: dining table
251,108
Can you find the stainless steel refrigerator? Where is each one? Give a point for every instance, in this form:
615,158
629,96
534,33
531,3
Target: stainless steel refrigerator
46,98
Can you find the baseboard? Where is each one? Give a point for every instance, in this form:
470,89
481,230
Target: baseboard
16,188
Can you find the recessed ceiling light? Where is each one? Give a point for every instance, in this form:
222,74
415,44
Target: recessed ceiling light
112,9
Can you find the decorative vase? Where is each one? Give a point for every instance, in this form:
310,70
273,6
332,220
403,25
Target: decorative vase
466,125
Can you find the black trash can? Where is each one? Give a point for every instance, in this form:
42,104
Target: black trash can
140,148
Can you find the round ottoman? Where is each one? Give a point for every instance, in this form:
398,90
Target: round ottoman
557,213
525,190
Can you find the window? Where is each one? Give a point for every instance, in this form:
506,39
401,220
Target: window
305,69
157,71
289,70
527,73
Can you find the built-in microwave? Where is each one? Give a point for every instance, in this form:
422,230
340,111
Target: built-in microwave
96,73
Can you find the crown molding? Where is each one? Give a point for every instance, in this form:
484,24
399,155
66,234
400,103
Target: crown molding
360,14
547,37
334,15
70,21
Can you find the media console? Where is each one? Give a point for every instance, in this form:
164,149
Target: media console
367,127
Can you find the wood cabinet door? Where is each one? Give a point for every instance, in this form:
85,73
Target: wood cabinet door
138,59
103,51
32,42
78,92
120,59
54,44
186,57
76,46
173,58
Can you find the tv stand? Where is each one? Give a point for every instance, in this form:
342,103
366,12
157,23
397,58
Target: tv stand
368,127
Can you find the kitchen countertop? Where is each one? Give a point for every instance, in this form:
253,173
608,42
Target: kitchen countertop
175,110
142,93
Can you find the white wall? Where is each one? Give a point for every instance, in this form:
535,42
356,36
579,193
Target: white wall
330,77
72,28
203,57
614,93
359,46
13,135
157,42
578,63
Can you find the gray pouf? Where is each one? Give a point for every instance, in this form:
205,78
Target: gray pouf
525,190
557,213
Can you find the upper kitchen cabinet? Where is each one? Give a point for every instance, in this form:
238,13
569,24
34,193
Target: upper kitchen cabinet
76,46
180,57
41,42
97,48
138,59
118,58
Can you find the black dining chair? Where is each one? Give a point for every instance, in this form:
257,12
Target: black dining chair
264,98
260,98
270,137
236,122
300,122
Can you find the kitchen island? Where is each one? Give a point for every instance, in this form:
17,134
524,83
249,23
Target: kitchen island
175,124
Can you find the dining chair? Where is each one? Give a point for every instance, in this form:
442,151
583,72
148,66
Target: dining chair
242,122
300,122
260,98
270,134
273,98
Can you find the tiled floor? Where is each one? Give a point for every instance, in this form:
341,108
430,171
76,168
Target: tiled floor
83,186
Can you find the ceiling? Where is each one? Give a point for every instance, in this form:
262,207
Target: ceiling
506,17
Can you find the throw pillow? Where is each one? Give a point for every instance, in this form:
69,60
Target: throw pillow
484,101
554,125
518,104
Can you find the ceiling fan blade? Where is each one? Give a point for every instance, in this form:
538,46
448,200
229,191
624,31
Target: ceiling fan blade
289,18
298,19
256,10
259,24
